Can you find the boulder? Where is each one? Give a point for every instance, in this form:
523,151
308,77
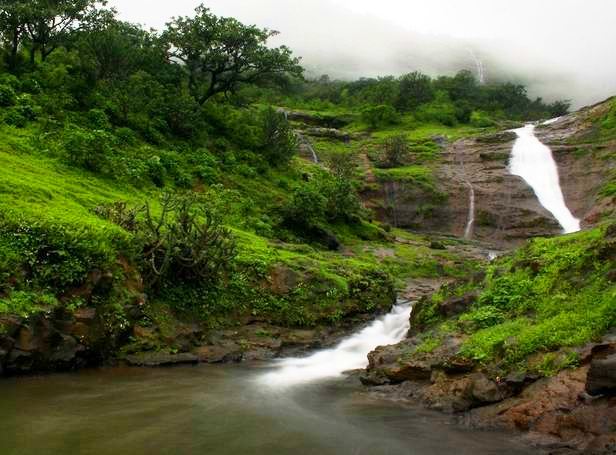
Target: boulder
601,379
226,352
498,138
159,359
456,305
283,279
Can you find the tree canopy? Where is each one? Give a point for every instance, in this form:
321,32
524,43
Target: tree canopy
219,53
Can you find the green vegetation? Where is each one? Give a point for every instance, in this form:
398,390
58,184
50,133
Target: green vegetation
543,300
150,176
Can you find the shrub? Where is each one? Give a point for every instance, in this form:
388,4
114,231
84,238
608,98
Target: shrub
98,120
307,206
481,119
185,242
395,152
7,96
279,140
89,149
377,116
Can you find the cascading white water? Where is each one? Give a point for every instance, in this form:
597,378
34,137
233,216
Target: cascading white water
481,71
468,232
533,161
351,353
315,158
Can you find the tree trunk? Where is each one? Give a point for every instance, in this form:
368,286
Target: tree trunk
14,50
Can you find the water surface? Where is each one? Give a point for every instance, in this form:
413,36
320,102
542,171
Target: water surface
218,410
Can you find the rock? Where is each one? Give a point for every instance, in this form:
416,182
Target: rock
283,279
258,354
158,359
330,133
228,352
601,379
85,314
27,340
144,332
440,140
498,138
436,245
66,352
456,305
485,390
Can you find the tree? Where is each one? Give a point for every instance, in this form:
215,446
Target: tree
12,28
220,53
382,115
395,152
415,90
50,22
114,50
279,141
463,86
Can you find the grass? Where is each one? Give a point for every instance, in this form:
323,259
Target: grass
554,294
48,206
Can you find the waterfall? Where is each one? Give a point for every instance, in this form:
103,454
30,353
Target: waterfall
533,161
350,354
481,71
468,232
307,146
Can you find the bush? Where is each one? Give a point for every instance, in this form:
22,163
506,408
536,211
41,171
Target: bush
186,242
395,151
481,119
307,206
377,116
7,96
279,141
98,120
89,149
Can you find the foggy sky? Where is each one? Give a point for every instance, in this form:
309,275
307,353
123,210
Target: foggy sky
561,48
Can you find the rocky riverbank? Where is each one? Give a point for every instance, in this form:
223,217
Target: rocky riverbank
575,410
510,350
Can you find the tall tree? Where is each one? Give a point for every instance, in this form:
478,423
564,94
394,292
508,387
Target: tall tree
415,90
50,22
220,53
12,28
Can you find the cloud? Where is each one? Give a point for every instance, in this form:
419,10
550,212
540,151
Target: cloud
561,48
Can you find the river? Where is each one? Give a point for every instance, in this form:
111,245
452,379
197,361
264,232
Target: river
221,409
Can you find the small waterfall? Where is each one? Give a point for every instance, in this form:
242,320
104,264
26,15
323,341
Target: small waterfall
533,161
468,232
305,145
350,354
480,68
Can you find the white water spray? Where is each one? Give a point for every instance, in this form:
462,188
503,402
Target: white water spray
468,232
480,68
533,161
351,353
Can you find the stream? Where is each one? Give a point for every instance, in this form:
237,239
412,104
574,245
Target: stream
293,406
219,409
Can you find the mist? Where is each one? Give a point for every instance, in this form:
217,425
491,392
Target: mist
561,49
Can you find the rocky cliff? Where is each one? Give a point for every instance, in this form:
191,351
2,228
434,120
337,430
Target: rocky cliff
506,208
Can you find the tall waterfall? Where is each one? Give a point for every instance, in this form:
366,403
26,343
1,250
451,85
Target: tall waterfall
480,68
351,353
533,161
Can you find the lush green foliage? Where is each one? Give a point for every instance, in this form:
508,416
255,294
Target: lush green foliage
543,300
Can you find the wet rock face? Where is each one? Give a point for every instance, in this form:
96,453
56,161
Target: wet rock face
564,411
507,210
602,376
47,342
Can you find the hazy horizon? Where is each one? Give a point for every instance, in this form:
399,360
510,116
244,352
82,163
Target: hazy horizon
559,48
